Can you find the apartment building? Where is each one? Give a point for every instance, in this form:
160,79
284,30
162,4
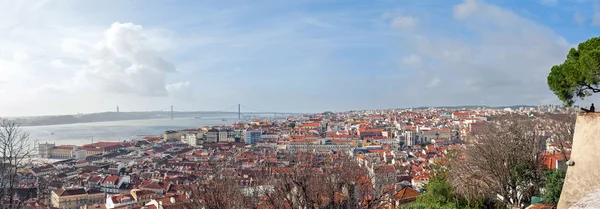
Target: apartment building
252,137
75,198
62,152
212,136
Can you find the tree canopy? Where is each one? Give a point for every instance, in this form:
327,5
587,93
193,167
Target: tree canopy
554,183
579,75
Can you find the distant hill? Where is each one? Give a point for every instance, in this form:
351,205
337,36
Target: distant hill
108,116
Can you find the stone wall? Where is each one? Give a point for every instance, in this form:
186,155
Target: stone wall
584,176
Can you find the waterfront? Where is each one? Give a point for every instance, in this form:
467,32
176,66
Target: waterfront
82,133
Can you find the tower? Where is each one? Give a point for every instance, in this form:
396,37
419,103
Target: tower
117,108
239,111
171,112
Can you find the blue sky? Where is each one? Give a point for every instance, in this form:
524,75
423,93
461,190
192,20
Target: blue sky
64,57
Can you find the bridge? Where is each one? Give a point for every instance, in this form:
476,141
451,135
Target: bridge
232,111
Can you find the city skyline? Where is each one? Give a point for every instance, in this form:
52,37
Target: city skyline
301,56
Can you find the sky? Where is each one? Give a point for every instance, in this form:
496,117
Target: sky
68,57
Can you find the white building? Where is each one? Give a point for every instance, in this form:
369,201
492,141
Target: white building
190,139
122,200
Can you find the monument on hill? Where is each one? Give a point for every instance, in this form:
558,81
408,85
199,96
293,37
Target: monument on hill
583,174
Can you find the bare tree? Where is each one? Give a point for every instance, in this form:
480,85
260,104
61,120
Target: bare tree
221,193
340,183
505,162
380,188
220,190
16,151
562,127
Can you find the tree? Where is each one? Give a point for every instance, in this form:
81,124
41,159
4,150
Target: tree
554,183
438,192
579,75
16,152
219,190
505,162
563,128
336,185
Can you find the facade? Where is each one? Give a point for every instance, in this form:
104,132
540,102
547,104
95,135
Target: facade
142,196
75,198
62,152
269,137
409,138
171,135
120,201
100,147
226,136
190,139
252,137
110,184
79,154
212,136
44,149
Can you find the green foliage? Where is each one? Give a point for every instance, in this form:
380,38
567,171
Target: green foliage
439,194
429,206
579,75
554,182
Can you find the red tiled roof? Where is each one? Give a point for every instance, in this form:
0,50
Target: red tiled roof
407,194
540,205
119,198
114,179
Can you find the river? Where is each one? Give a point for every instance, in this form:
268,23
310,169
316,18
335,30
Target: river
83,133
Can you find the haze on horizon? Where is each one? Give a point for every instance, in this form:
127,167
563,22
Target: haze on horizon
65,57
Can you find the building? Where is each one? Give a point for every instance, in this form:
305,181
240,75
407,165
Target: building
44,149
79,154
74,198
100,147
111,184
190,139
171,135
555,160
212,136
143,196
226,136
62,152
405,196
459,115
269,137
252,137
120,201
410,138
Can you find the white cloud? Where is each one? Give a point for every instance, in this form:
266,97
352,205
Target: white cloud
477,52
182,91
21,56
465,9
501,54
412,60
123,62
57,63
404,22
